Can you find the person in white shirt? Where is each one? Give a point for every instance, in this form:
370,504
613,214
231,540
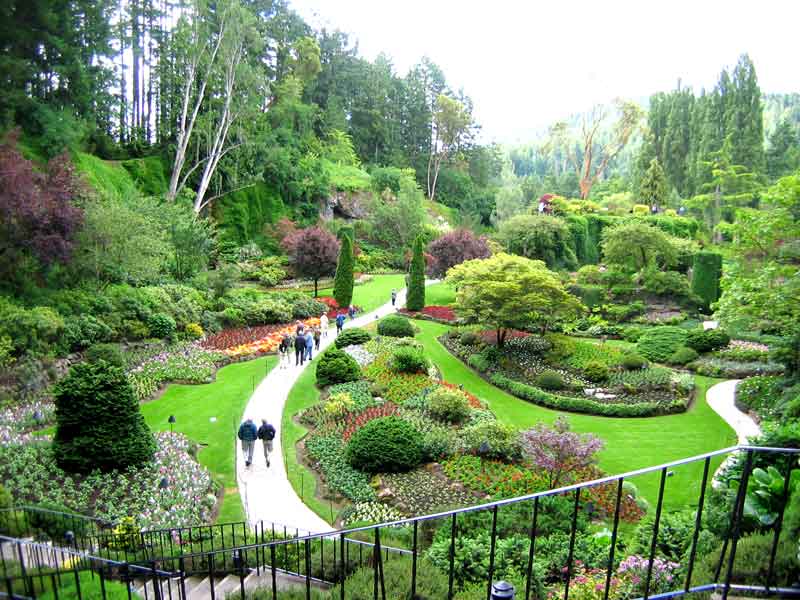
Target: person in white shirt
323,324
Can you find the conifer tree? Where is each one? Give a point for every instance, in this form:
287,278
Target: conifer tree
654,188
343,281
416,277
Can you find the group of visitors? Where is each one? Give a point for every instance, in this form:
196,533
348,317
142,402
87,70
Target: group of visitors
248,434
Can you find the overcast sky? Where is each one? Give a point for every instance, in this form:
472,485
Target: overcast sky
526,63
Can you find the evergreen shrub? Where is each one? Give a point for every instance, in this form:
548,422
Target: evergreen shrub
161,325
660,343
406,359
447,404
706,275
336,366
352,337
550,380
395,326
682,356
344,280
110,353
98,423
633,361
708,340
595,371
385,445
415,299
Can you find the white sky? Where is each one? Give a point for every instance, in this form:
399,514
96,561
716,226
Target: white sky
527,63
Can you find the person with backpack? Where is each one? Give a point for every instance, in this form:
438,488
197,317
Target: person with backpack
317,338
283,351
299,350
266,433
248,433
352,312
340,319
309,337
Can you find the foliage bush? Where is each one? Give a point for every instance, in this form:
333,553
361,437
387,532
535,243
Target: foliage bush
110,353
395,326
99,425
659,343
161,325
708,340
682,356
470,338
550,380
352,337
633,361
492,439
193,331
385,445
595,371
448,404
336,366
706,275
665,283
759,394
406,359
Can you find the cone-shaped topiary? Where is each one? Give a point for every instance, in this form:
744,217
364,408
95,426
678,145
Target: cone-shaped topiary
98,423
343,281
706,273
416,278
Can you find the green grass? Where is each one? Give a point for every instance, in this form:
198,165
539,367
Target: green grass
195,405
439,294
105,177
304,394
629,443
374,293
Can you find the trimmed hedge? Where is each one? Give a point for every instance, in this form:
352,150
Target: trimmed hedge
660,343
706,275
352,337
415,298
385,445
343,281
395,326
584,405
336,366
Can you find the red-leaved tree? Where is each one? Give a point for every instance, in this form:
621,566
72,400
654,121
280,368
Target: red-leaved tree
313,253
558,451
453,248
38,216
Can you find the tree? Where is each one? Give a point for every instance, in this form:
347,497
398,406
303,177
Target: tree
706,275
653,188
783,154
559,452
453,248
415,299
540,237
451,126
343,281
591,157
312,253
636,245
39,217
98,423
511,292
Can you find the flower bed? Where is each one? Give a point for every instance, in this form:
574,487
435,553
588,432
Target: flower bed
31,473
333,306
247,341
733,369
189,363
18,423
494,478
422,492
328,453
439,314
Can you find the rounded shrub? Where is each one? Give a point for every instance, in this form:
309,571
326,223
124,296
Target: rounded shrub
595,371
448,404
407,359
550,380
633,361
385,445
107,352
352,337
469,338
193,331
708,340
395,326
659,343
161,325
682,356
336,366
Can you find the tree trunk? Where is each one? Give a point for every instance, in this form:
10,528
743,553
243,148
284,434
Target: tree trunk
315,287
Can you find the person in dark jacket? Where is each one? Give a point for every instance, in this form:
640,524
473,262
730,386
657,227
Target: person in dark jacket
394,297
317,338
340,319
299,350
283,350
266,433
248,433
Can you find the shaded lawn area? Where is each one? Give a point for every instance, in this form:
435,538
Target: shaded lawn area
439,294
629,443
374,293
195,405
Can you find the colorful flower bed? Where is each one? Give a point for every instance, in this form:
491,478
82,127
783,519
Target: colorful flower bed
17,423
333,306
494,478
189,363
441,314
31,472
422,492
265,340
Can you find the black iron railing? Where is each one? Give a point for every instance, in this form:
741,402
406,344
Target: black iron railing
267,557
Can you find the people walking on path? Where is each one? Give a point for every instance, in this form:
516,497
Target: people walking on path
299,328
248,433
394,297
352,312
323,324
317,338
309,337
340,318
266,433
299,350
283,350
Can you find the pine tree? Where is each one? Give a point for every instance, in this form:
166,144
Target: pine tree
783,155
654,188
744,120
416,277
98,423
343,281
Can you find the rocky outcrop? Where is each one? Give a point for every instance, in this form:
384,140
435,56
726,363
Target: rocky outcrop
347,205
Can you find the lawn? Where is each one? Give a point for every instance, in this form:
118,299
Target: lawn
629,443
374,293
439,294
224,401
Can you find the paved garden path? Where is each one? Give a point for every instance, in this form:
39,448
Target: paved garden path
721,399
266,492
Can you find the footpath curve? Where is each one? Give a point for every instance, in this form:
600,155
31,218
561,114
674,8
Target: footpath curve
267,493
721,399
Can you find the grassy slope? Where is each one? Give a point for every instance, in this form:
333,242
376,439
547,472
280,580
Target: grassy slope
630,443
375,293
194,406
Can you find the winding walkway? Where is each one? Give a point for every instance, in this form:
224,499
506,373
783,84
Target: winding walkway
721,398
266,492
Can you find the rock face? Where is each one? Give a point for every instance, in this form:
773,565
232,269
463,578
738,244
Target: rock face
348,205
